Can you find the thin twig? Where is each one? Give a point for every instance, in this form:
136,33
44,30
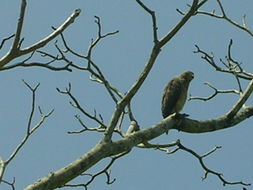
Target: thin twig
153,16
100,128
103,171
224,16
11,184
215,93
29,130
76,104
33,90
206,169
5,39
209,58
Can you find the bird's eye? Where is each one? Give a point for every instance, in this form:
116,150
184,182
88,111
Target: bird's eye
192,75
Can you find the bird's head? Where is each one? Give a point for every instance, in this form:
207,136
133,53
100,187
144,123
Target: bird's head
188,75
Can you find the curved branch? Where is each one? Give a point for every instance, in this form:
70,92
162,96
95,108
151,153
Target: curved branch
76,105
17,52
207,170
216,92
6,39
152,13
223,16
55,33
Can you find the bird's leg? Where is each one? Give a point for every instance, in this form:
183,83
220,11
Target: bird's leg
179,117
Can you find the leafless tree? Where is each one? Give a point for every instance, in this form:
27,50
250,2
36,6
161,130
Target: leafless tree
135,136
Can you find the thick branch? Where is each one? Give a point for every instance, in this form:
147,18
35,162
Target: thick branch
195,126
103,150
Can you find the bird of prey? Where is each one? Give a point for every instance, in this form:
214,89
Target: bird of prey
175,94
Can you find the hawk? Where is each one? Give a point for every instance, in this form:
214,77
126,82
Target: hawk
175,93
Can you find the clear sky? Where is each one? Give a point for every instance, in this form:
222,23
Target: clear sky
121,58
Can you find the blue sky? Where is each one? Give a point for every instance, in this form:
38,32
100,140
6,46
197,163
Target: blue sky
121,58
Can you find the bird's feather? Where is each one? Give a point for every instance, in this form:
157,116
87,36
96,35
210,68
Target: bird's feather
171,96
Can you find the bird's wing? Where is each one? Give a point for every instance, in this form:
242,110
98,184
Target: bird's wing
171,95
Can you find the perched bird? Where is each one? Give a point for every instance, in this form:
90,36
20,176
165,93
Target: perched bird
175,93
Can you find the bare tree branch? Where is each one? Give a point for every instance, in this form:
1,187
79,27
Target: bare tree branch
100,128
5,39
29,130
2,168
241,101
216,92
58,31
224,16
152,14
103,171
206,169
234,68
4,164
33,90
193,8
16,43
231,67
76,105
158,146
200,158
203,126
134,136
44,65
96,74
15,50
106,149
11,184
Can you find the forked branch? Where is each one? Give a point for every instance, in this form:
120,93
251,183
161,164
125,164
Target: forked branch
103,171
29,130
215,93
16,50
207,170
223,16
